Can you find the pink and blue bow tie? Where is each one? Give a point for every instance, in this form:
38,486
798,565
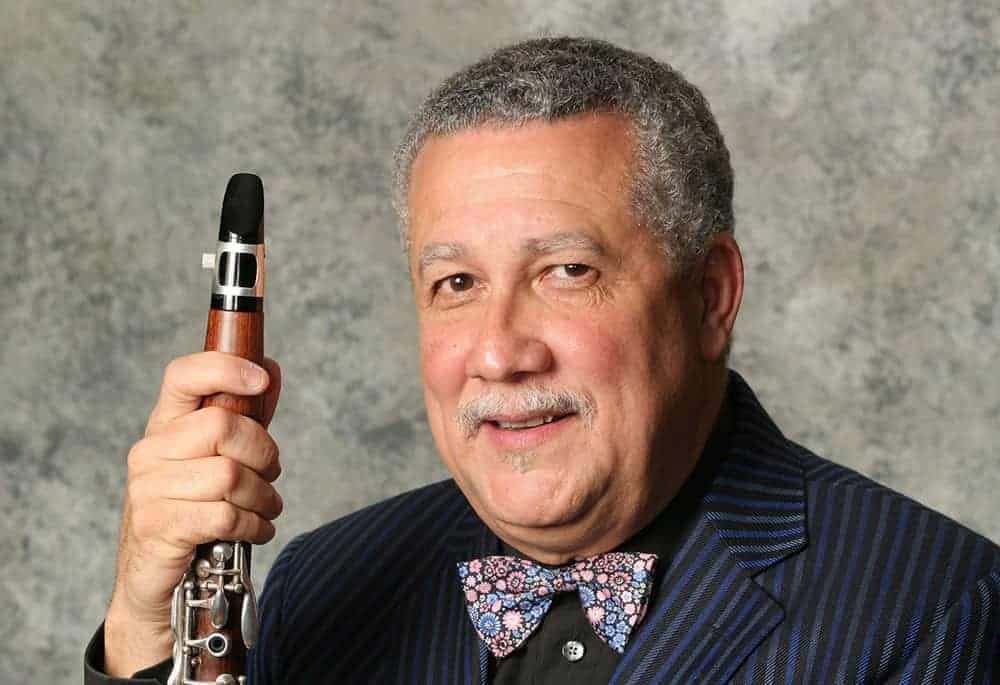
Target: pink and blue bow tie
508,597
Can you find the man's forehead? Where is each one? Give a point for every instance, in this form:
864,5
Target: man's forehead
596,140
540,187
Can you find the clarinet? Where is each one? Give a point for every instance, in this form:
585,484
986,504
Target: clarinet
214,608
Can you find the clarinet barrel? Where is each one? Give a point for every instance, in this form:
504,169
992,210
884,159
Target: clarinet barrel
214,612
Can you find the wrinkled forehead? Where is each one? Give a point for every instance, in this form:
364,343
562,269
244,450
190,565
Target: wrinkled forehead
581,163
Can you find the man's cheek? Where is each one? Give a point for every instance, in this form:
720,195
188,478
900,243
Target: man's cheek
593,354
442,362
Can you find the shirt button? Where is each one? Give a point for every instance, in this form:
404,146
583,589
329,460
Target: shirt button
573,651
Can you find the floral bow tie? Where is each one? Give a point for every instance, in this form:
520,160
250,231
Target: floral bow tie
508,597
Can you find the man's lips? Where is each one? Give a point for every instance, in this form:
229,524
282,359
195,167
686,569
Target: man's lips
524,432
523,422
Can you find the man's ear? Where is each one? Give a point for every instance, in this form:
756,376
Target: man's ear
721,286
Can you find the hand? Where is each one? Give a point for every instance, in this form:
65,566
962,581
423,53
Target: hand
198,474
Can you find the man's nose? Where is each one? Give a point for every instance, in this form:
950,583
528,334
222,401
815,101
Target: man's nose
508,345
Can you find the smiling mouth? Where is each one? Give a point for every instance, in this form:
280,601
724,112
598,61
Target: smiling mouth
528,423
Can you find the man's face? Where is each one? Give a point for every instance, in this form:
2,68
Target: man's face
540,299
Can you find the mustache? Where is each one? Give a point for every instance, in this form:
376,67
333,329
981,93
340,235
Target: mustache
528,400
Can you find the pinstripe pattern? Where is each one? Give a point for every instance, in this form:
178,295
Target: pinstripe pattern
796,571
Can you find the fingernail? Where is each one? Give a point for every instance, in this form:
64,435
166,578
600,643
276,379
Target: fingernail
253,376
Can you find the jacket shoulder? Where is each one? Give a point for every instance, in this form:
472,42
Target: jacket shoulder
885,590
835,490
876,586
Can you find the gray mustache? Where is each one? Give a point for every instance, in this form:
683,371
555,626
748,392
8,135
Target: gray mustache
529,400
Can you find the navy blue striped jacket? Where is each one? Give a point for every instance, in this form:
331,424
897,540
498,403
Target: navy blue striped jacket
798,571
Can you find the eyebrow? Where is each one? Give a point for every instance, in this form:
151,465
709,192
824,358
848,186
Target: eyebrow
435,252
562,241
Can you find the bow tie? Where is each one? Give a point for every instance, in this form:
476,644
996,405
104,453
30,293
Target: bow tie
508,597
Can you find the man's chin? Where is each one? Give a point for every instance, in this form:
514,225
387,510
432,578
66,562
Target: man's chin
532,501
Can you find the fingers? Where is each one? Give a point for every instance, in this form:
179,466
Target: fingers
199,474
211,479
188,379
181,525
208,432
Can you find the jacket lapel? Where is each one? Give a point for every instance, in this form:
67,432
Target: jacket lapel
708,613
470,539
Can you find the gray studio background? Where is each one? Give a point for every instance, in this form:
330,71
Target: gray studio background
865,142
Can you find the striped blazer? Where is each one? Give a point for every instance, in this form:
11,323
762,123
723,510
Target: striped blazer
797,571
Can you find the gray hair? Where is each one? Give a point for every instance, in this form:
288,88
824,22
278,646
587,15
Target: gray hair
682,182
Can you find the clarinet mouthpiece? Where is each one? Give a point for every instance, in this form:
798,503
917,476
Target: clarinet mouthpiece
243,210
238,262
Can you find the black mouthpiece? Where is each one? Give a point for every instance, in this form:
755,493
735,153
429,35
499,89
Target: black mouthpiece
243,210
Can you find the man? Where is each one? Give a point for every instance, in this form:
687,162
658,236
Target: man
567,214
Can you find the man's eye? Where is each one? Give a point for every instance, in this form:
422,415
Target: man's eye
572,270
456,283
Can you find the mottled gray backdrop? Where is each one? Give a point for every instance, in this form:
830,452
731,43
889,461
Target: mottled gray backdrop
865,142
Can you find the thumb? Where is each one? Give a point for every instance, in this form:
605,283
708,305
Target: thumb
273,390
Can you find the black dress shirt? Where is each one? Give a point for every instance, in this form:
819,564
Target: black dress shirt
545,656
